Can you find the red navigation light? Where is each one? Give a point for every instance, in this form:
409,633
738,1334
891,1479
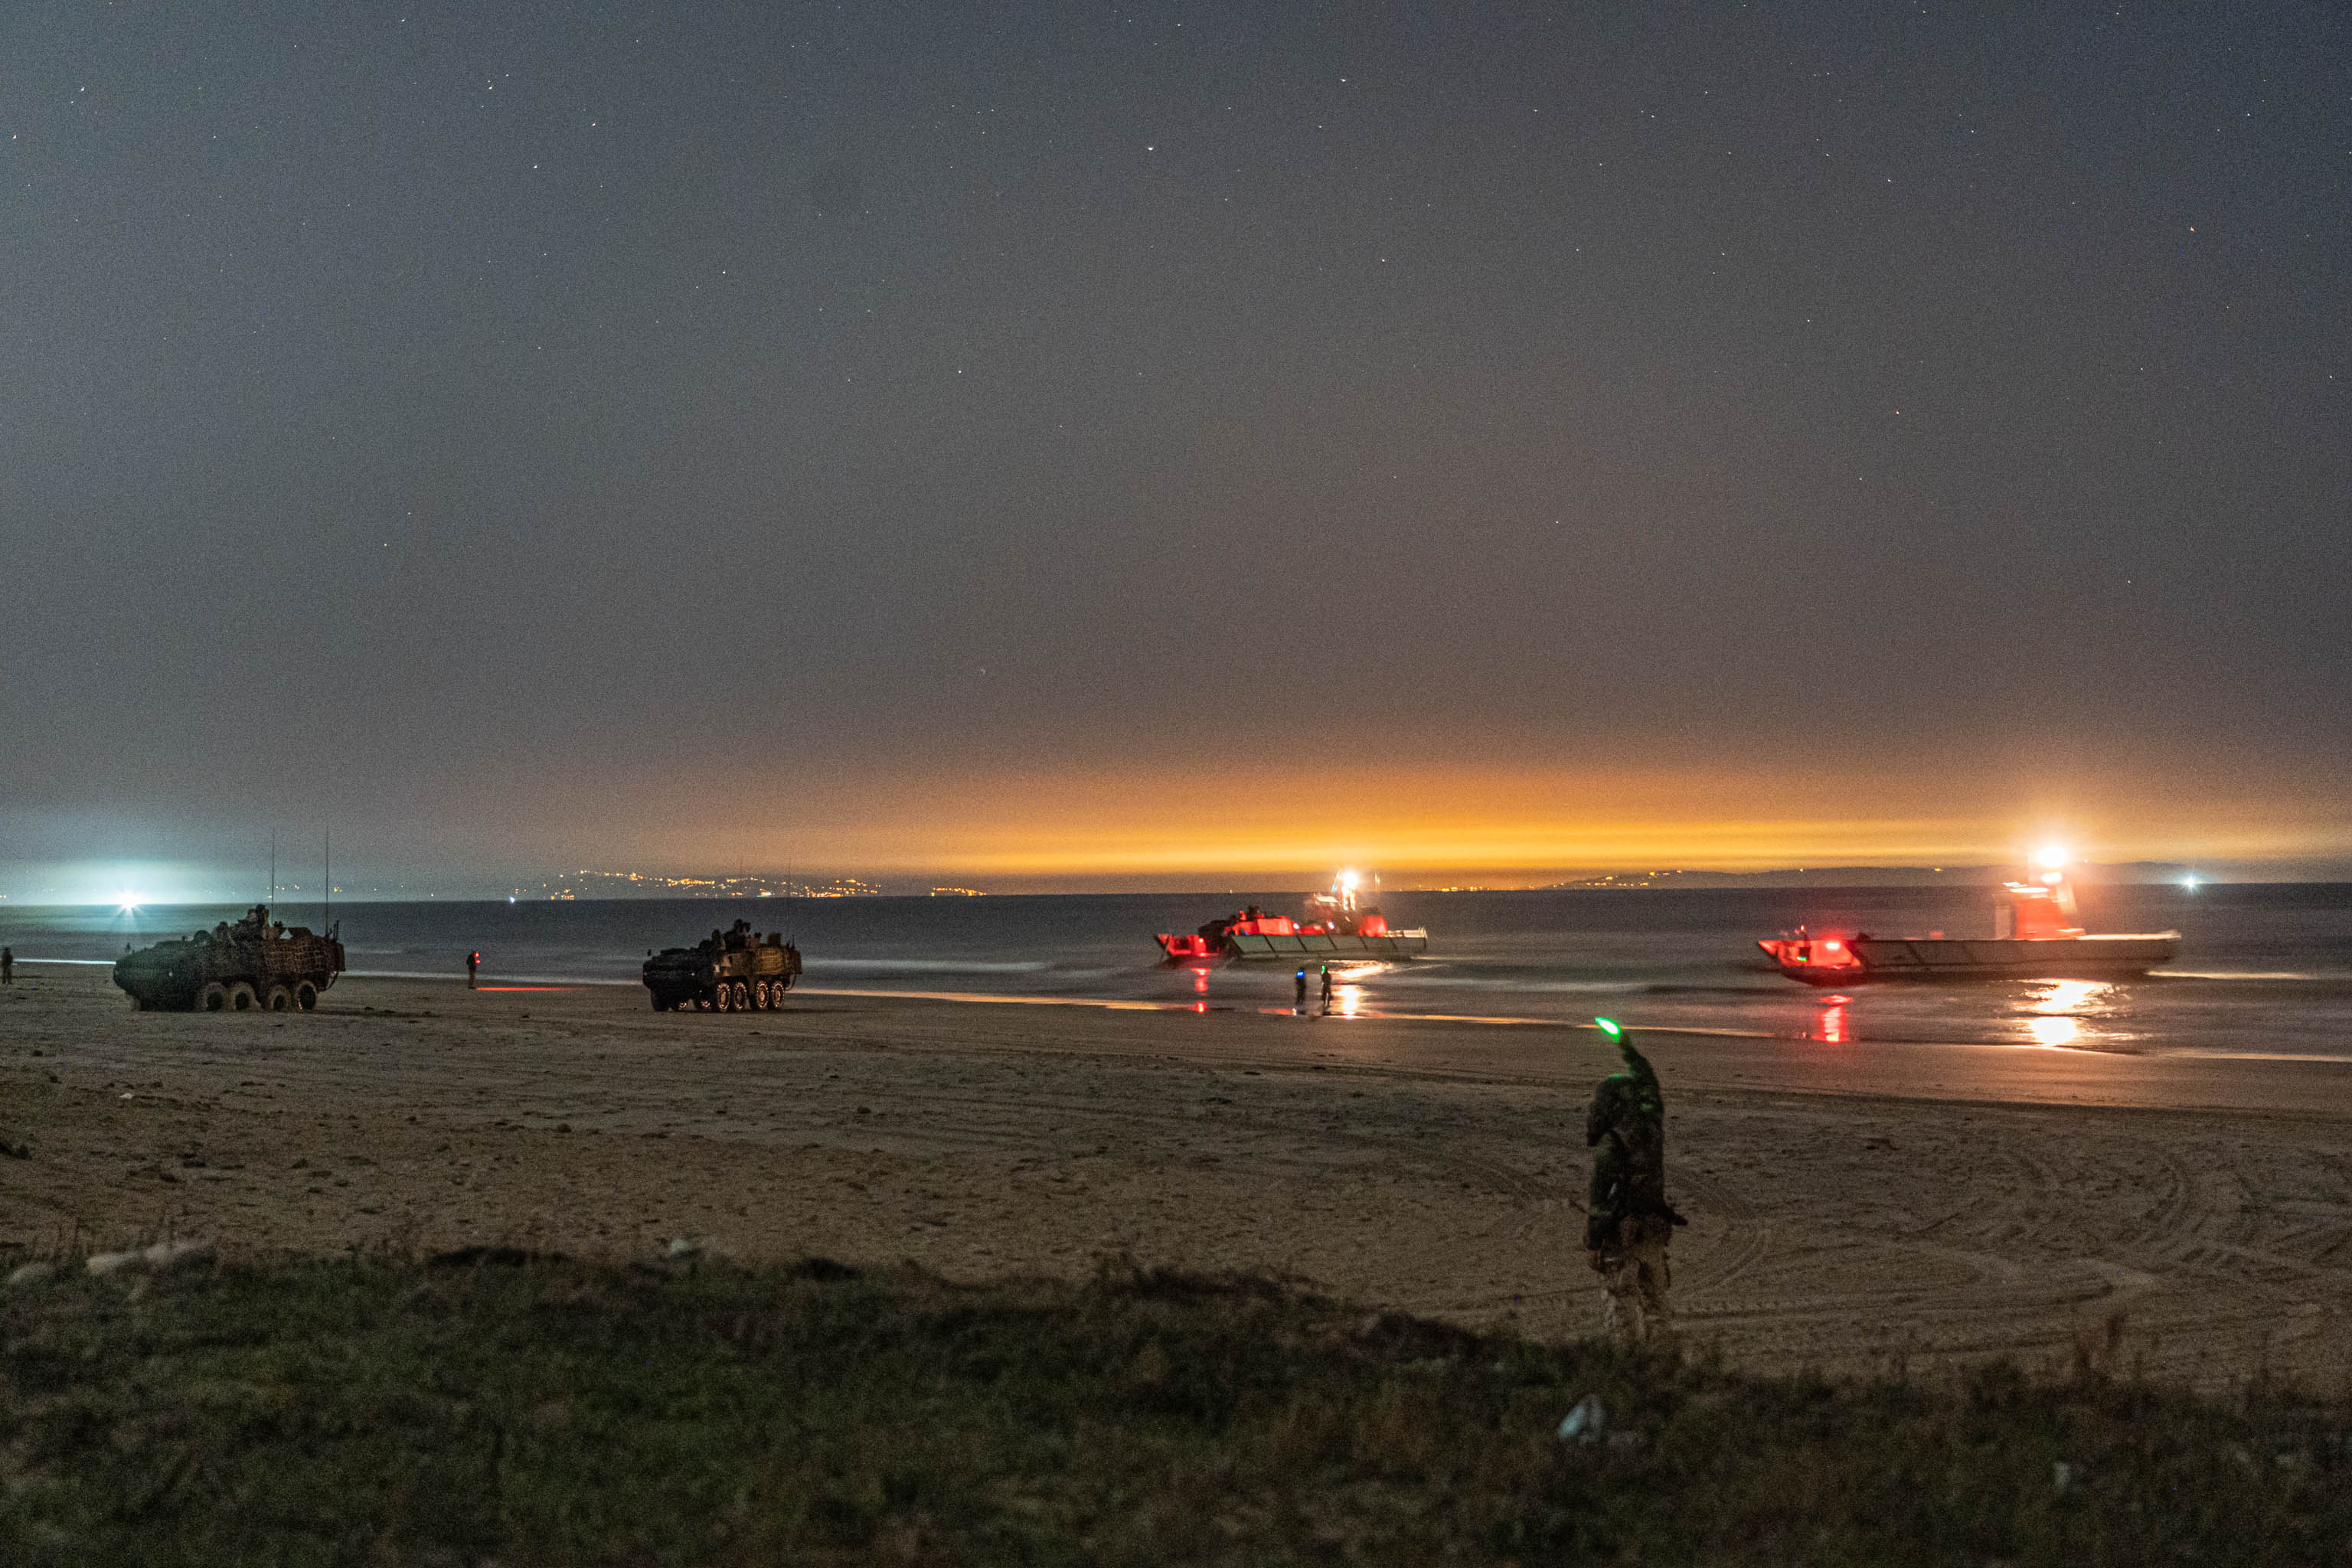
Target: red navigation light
1832,946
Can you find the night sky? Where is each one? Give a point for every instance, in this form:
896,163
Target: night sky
1152,443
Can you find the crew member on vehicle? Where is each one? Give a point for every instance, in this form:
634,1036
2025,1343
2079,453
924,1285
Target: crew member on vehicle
1628,1221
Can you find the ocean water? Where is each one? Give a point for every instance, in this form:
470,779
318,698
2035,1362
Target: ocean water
2263,970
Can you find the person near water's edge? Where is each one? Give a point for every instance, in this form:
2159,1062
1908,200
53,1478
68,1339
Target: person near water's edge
473,966
1628,1221
8,971
1301,1001
1327,989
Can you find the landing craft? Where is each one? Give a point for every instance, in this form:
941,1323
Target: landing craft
1331,926
2032,939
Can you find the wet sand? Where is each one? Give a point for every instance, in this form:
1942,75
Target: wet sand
1849,1205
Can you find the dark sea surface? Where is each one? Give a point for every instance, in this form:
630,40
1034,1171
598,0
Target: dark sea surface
2263,969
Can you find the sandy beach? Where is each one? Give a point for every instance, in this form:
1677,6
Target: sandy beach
1849,1206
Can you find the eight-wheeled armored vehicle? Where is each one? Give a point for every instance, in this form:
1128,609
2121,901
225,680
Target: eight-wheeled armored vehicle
256,964
734,971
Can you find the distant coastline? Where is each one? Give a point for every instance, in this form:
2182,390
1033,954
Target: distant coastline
604,887
2133,873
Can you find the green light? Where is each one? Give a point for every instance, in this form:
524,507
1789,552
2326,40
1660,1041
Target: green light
1608,1027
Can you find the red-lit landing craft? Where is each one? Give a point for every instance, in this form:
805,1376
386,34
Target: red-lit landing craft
2031,940
1332,926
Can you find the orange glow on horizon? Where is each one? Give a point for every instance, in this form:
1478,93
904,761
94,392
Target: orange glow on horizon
1581,838
1283,824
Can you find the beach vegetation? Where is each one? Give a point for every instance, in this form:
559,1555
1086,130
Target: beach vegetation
499,1406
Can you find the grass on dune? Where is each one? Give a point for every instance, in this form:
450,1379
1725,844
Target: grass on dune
540,1411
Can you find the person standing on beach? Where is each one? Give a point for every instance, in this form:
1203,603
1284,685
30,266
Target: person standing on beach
1327,989
8,972
473,967
1302,991
1628,1221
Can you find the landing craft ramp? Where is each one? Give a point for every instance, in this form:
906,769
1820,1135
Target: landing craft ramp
1326,944
2081,957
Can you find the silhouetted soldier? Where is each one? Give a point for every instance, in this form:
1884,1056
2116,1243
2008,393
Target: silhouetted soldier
8,972
473,967
1628,1221
1301,1001
1327,989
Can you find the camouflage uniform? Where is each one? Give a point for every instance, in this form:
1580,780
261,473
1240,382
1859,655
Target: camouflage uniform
1628,1221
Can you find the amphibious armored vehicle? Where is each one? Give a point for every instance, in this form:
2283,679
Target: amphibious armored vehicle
256,964
734,971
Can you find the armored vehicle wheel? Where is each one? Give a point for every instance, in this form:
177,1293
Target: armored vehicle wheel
759,995
702,1003
723,999
278,999
241,998
305,996
212,998
742,996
